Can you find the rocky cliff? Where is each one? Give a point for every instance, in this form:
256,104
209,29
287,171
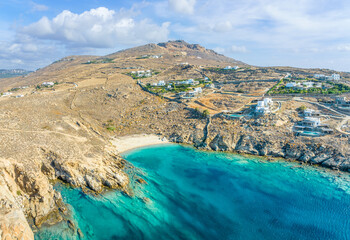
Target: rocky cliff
246,136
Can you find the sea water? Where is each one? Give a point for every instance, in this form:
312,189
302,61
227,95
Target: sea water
192,194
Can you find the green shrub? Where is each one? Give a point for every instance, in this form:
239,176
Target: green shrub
301,108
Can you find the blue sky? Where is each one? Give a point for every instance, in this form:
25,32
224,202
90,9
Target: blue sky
300,33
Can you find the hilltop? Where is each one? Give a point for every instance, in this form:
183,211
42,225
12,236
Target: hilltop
58,123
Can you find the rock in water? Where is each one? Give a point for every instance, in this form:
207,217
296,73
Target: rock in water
80,233
141,181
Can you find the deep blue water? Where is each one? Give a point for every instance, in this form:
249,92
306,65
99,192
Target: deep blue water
206,195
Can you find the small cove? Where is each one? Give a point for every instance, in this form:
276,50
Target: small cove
193,194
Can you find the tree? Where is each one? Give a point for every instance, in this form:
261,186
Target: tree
301,108
205,113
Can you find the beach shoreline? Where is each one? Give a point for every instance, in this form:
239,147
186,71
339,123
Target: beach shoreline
130,142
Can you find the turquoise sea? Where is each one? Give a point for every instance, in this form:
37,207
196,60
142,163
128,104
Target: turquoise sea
208,195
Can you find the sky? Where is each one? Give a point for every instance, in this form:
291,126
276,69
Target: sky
298,33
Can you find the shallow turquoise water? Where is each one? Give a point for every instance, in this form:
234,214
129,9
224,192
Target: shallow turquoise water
201,195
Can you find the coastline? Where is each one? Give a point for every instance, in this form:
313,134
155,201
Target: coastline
130,142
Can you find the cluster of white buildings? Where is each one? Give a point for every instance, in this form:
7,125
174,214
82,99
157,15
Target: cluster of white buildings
264,106
303,85
191,94
311,125
229,68
151,56
187,82
333,77
159,84
191,82
142,73
343,103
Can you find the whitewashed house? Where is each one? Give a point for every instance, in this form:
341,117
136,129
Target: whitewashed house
229,67
197,90
263,107
6,94
48,84
308,84
311,122
161,83
335,77
320,76
291,85
311,113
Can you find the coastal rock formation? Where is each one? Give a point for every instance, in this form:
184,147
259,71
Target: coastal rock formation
26,193
13,223
241,140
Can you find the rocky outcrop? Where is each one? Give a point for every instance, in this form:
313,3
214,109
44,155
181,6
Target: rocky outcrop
310,152
94,174
13,223
28,200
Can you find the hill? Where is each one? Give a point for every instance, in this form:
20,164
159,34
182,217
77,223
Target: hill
64,131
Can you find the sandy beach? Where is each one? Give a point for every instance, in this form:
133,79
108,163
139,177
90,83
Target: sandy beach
126,143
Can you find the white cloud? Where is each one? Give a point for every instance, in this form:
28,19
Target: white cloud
222,26
100,28
343,47
238,49
182,6
38,7
27,53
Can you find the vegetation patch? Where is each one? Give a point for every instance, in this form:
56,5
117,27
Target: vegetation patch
97,61
307,86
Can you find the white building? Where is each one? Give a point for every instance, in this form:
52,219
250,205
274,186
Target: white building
161,83
19,96
308,84
311,113
335,77
48,84
7,94
312,121
319,76
291,84
318,85
188,81
211,85
263,107
197,90
229,67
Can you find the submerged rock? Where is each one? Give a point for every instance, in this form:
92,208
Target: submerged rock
141,181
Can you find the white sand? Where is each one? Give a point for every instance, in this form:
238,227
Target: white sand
126,143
